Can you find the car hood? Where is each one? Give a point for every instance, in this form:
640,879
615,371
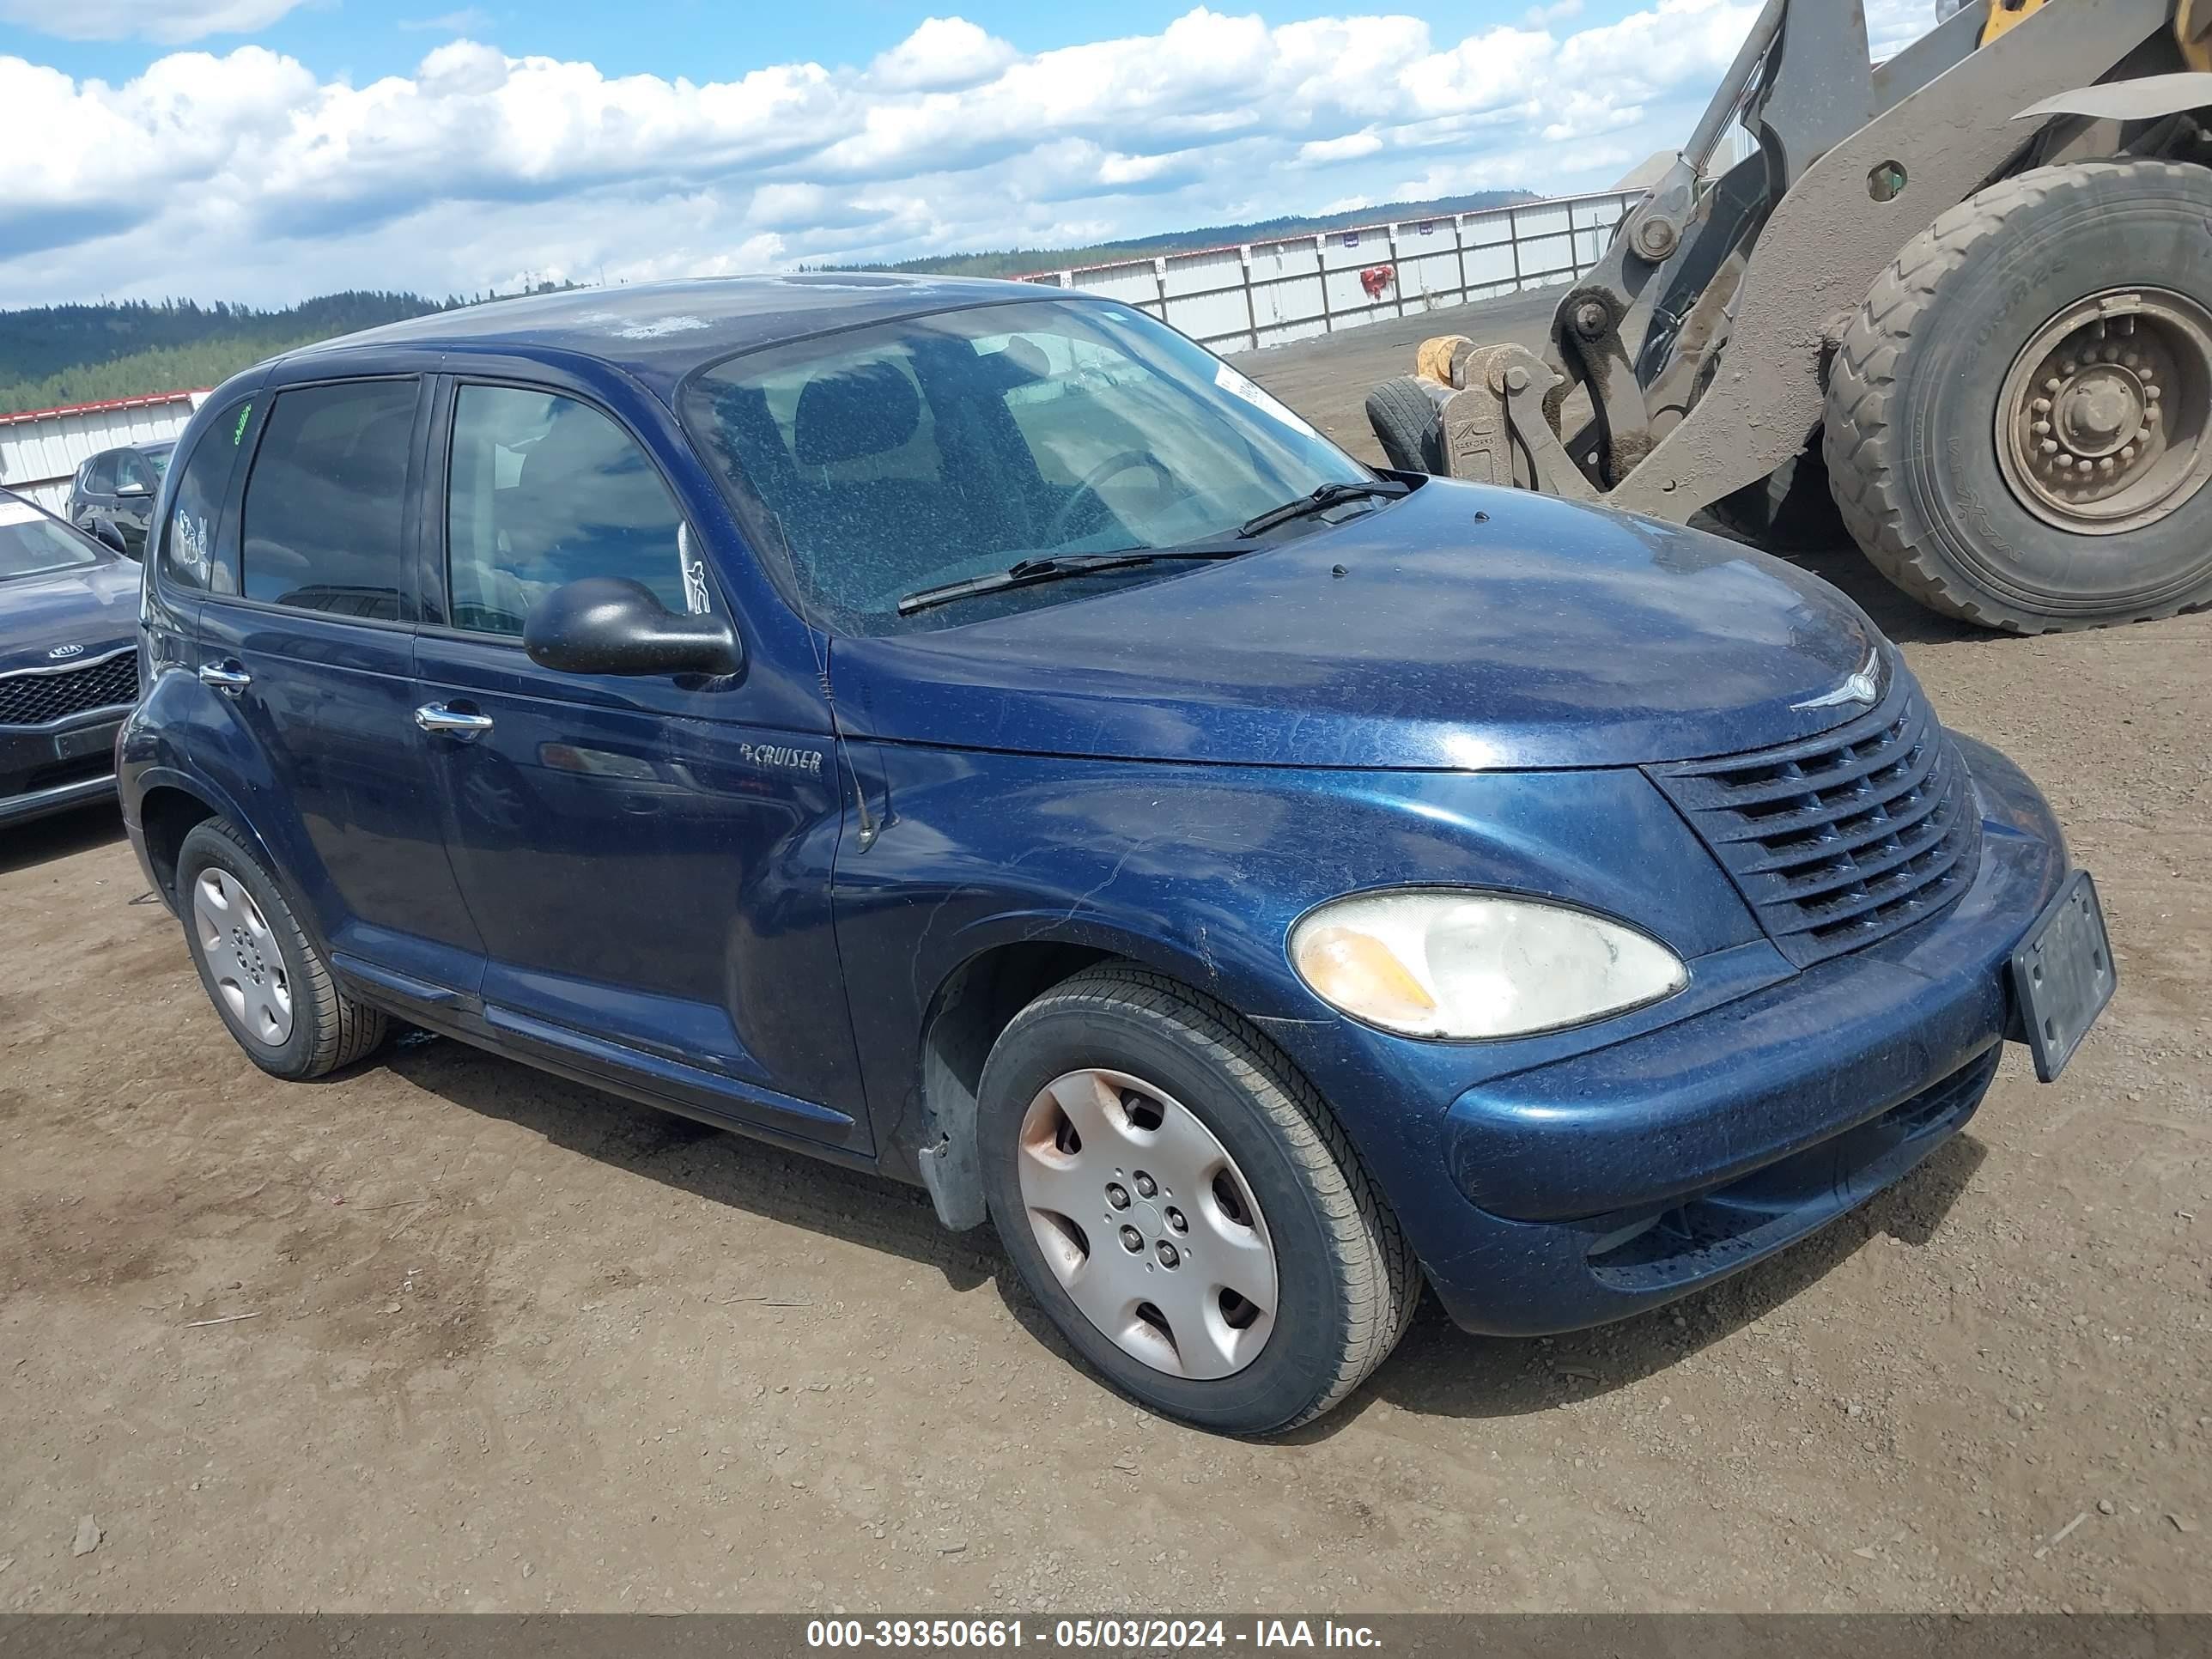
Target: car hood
94,607
1462,627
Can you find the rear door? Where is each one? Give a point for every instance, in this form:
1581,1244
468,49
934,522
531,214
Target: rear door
312,656
649,865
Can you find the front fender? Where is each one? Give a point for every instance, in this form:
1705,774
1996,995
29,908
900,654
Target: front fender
2145,98
1199,870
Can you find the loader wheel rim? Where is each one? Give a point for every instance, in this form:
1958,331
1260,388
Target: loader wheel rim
2104,424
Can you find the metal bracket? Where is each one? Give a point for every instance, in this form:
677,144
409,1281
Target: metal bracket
1495,430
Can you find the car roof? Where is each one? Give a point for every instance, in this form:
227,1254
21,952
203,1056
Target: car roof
659,331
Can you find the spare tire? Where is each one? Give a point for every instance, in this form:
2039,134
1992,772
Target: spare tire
2019,419
1408,416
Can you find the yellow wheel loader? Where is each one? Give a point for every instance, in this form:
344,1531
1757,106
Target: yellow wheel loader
1960,301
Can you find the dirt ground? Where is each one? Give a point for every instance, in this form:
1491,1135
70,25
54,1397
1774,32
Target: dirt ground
511,1344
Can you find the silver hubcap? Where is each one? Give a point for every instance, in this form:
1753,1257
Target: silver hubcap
1148,1223
241,956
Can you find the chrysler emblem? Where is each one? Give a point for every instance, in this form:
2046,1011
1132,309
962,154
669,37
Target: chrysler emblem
66,651
1861,687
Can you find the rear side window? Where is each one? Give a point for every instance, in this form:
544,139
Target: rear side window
323,520
546,490
188,555
132,468
100,475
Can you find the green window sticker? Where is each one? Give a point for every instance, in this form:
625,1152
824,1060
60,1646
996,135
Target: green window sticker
238,434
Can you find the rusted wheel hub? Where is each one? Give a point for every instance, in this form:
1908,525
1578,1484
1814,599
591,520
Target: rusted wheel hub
2105,422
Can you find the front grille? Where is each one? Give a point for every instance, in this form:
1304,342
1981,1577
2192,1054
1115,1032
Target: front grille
39,696
1844,839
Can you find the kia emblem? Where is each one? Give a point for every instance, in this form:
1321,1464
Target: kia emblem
66,651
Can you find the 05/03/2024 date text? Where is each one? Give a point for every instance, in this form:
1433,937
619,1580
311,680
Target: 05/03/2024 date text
1118,1635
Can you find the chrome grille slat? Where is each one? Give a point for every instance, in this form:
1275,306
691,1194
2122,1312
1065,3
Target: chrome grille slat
1898,820
39,696
1840,840
1850,768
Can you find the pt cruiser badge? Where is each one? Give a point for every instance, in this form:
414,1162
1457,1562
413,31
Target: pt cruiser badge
777,757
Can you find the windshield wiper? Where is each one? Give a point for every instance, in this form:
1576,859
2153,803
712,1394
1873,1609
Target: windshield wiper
1328,495
1029,571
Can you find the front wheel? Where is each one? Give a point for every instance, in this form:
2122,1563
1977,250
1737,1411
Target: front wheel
2019,419
1184,1206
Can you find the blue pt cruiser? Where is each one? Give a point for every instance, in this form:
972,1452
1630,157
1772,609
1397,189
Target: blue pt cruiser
970,733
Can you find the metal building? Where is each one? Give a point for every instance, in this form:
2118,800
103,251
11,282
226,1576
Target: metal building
42,449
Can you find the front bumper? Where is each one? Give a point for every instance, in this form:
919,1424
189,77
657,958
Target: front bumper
51,769
1585,1188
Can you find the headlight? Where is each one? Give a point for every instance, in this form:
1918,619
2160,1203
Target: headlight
1435,963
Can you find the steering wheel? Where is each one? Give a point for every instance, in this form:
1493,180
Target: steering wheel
1125,460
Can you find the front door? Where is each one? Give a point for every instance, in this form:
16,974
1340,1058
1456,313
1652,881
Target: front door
650,871
312,656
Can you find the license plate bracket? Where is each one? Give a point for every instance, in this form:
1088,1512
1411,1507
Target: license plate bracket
2063,974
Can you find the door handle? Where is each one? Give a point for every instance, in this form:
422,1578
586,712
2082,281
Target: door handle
453,722
225,677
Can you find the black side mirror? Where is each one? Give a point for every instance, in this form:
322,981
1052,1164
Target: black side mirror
130,489
611,625
108,536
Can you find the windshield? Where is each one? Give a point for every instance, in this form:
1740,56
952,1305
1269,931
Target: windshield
32,544
903,457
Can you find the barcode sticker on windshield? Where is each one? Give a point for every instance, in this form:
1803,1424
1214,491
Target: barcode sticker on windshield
1256,395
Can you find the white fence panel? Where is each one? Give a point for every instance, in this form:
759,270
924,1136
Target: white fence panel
1266,293
40,450
1429,268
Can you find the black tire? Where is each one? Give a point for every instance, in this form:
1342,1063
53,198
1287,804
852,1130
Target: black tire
1408,421
1913,390
1348,1281
329,1028
1788,511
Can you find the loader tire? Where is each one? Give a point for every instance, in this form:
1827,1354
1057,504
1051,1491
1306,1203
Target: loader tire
1408,422
1934,457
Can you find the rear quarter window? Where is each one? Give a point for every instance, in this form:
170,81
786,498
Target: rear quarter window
189,555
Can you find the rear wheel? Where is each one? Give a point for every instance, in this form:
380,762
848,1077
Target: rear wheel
2019,422
260,969
1184,1206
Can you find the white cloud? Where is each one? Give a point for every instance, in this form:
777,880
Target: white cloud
942,55
167,20
246,175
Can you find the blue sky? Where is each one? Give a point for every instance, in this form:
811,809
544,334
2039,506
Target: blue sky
673,37
269,149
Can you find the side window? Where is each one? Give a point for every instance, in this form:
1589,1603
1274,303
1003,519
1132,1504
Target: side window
188,557
546,490
134,469
100,475
322,524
